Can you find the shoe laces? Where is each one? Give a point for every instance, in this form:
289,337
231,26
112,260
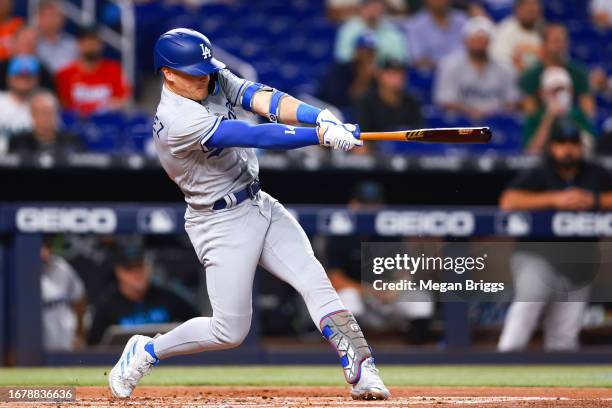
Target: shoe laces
369,365
143,369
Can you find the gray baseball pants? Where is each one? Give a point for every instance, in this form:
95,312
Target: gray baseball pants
230,243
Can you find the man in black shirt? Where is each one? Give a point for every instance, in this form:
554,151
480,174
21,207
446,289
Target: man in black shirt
564,181
348,81
387,106
45,136
135,300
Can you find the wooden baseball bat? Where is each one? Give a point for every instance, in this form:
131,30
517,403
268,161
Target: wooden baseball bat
441,135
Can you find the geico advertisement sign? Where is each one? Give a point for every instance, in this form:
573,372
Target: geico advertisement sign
566,224
80,220
435,223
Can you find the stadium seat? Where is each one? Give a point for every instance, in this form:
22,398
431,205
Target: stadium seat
421,83
101,132
137,131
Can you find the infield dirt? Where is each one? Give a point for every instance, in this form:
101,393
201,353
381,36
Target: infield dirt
212,397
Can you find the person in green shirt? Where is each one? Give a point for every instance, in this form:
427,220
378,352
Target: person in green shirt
555,54
556,92
390,43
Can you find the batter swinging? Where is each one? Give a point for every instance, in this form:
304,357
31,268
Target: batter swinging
232,225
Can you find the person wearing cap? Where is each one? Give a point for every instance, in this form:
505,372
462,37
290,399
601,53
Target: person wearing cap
347,81
25,44
15,115
556,93
517,41
371,18
92,83
555,53
135,300
388,106
564,181
433,33
472,83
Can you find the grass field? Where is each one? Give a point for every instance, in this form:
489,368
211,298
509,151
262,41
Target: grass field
456,376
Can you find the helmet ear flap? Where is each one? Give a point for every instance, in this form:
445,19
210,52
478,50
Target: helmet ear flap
213,84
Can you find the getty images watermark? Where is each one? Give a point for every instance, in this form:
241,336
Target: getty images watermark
418,270
405,263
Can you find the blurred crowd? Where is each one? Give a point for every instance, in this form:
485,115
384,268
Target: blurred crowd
480,64
43,71
481,69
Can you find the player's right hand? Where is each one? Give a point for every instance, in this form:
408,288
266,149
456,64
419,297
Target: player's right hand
344,136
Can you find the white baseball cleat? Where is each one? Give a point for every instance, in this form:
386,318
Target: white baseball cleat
135,363
370,385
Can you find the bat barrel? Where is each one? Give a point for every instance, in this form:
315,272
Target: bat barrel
442,135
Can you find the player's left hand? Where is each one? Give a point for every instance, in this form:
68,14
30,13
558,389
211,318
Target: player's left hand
327,117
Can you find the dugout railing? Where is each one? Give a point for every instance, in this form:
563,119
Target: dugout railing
22,227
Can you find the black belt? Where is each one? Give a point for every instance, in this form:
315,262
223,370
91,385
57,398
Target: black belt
236,198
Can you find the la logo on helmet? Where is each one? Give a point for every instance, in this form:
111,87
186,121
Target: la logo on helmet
206,53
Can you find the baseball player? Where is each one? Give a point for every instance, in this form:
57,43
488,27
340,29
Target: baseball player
232,224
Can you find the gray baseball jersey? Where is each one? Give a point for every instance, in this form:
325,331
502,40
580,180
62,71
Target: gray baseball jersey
183,126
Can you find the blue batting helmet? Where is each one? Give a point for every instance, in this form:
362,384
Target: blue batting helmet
186,50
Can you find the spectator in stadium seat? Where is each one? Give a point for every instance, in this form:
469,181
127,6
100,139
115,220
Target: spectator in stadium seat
550,283
470,82
9,25
556,92
56,48
434,33
15,113
555,54
388,106
348,81
135,300
92,83
45,136
25,44
601,13
63,301
371,18
517,40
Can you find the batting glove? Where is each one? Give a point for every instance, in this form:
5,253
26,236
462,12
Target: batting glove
326,117
343,137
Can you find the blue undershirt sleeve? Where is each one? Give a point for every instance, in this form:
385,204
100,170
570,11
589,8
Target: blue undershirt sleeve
237,133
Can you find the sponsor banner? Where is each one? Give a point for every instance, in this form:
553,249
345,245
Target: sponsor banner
76,220
334,221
